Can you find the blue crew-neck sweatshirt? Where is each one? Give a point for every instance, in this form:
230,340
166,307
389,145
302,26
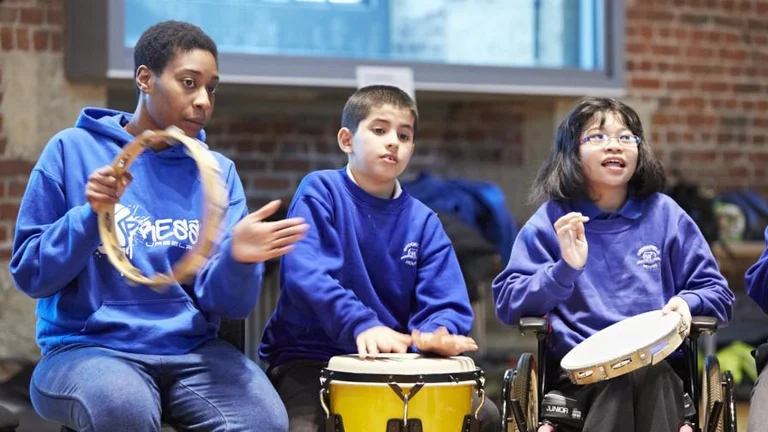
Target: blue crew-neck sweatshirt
639,257
366,261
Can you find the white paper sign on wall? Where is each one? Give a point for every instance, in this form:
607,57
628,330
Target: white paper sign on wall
401,77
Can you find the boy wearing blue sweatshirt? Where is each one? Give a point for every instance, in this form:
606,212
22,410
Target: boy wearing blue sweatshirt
605,247
121,357
376,272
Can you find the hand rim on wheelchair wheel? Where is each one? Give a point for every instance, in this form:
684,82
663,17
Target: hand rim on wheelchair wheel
525,388
711,391
214,205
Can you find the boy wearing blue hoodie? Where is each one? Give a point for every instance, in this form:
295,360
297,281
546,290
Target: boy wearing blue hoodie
376,272
123,357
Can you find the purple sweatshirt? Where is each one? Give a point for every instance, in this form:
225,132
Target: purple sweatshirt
639,257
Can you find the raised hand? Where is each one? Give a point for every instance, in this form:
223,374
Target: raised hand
102,189
573,242
255,240
443,343
381,339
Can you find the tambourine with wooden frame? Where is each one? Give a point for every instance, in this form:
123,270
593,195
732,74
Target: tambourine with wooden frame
626,346
214,206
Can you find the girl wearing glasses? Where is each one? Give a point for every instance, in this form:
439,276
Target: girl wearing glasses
605,246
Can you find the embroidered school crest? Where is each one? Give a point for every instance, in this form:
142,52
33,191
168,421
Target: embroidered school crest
410,253
650,257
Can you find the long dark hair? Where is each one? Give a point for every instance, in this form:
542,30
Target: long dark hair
561,176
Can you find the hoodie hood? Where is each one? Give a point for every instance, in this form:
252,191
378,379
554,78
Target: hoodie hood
109,123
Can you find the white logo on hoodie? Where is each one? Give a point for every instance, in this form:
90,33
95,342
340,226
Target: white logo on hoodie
133,228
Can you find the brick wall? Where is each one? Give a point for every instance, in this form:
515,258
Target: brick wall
274,151
26,26
703,64
35,102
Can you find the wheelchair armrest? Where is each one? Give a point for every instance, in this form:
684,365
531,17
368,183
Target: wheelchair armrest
534,325
703,324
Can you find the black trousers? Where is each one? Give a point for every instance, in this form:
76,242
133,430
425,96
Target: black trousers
646,400
298,384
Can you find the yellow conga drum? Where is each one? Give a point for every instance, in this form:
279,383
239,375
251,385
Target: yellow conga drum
400,392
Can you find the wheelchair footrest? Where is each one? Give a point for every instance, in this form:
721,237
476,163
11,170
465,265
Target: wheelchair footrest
689,409
562,410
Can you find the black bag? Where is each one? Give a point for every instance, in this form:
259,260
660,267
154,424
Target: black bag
761,357
698,206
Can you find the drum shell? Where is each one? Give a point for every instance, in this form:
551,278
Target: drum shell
441,407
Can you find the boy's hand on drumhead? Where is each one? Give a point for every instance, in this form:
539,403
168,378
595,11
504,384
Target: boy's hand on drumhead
381,339
679,305
443,343
573,241
102,189
255,240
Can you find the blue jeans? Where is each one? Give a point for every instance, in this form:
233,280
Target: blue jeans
213,388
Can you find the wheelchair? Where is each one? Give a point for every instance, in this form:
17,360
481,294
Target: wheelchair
524,410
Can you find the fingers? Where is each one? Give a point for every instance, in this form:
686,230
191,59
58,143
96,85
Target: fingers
361,350
103,187
574,220
274,253
403,339
266,211
400,348
286,224
395,342
572,230
569,218
287,241
578,227
372,347
98,189
441,331
124,182
464,344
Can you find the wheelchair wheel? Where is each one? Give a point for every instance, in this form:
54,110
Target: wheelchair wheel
710,394
729,408
525,388
506,389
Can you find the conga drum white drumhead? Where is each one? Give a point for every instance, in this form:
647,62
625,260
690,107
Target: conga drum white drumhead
398,390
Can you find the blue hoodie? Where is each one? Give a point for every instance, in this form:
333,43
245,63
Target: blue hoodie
756,279
639,257
365,262
58,259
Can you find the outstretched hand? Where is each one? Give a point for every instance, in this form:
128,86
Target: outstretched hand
443,343
256,240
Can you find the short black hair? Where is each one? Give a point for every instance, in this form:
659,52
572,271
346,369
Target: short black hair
160,42
561,176
359,105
